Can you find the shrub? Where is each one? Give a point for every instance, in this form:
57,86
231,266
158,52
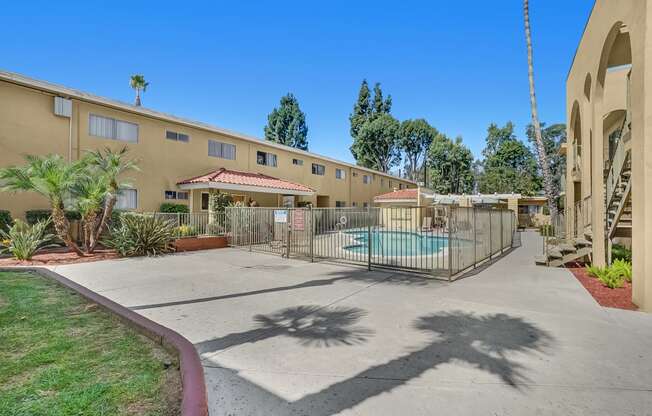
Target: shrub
23,240
35,215
619,252
611,279
547,230
623,269
139,235
5,219
186,230
172,208
595,271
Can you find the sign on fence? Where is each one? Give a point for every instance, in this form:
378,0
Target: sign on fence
298,220
280,216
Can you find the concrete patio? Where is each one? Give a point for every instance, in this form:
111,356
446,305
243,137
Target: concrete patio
287,337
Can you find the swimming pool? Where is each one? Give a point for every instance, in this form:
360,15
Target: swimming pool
395,243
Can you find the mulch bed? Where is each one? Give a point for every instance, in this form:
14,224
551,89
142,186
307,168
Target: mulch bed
620,298
53,257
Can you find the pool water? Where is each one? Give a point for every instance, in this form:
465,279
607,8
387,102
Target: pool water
394,243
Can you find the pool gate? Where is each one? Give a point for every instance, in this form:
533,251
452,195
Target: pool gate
441,240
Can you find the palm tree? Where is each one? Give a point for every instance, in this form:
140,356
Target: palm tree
109,166
89,194
548,181
139,84
52,177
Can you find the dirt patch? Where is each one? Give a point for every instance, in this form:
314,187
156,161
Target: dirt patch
620,298
59,256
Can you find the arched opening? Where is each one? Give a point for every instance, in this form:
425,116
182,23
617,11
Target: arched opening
614,147
587,87
576,170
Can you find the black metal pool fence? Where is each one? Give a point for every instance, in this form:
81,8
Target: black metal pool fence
442,240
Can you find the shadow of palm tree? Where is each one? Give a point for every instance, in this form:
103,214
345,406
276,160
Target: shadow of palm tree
352,275
491,343
312,326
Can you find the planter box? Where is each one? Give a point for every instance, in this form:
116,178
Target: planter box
199,243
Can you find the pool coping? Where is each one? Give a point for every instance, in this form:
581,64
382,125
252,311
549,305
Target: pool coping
194,400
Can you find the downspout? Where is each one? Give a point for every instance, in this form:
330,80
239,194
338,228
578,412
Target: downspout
70,137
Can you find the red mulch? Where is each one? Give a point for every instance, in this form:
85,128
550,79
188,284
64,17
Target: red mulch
620,298
56,256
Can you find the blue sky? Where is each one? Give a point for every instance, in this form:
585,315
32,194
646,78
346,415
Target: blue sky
228,63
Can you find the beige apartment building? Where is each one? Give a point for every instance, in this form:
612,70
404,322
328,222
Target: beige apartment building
609,149
180,160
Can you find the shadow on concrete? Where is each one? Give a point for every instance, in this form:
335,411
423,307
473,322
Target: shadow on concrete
312,326
353,275
490,343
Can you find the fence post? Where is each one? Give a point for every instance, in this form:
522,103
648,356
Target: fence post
312,234
250,230
475,240
502,233
491,240
369,242
450,243
288,224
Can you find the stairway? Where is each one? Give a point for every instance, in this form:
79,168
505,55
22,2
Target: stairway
564,252
619,209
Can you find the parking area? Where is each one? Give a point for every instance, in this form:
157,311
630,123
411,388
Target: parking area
290,337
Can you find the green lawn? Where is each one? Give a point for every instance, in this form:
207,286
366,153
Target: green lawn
60,355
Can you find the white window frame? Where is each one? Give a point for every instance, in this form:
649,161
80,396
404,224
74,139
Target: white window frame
366,179
297,162
176,136
111,128
172,196
120,202
185,193
340,174
220,149
269,159
316,171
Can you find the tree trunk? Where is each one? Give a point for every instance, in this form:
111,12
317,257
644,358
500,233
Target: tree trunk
137,101
106,216
62,227
548,185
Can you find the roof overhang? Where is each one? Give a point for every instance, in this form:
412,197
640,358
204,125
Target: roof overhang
384,201
243,188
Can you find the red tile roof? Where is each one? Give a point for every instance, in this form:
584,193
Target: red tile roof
235,177
410,193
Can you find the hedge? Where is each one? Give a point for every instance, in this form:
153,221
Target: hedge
170,207
5,219
34,215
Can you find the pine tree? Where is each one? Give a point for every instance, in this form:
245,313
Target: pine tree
361,110
367,110
287,124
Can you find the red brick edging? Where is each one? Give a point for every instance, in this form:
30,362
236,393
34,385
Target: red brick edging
194,401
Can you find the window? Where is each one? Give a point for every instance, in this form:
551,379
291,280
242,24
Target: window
365,204
297,162
177,137
264,158
318,169
340,174
176,195
221,150
340,204
366,179
400,186
354,174
204,201
382,181
127,199
354,204
113,129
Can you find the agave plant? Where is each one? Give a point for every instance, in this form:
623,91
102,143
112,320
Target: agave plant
141,235
23,240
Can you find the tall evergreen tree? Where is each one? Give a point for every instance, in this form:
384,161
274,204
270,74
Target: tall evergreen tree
377,143
415,138
509,165
451,166
287,124
366,110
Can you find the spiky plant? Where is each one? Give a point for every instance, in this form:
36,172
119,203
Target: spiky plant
23,240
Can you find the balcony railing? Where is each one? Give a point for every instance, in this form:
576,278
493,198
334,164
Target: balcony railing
616,164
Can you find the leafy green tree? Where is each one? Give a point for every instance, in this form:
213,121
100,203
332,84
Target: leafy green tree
367,110
451,166
552,137
287,124
137,83
509,165
377,143
415,137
